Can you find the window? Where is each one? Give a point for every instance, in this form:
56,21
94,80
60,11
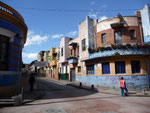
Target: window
105,68
71,51
74,51
66,69
120,67
90,69
135,65
61,51
103,38
4,44
78,50
118,37
132,34
60,70
79,69
83,45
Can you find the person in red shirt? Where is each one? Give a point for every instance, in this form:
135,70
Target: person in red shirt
123,87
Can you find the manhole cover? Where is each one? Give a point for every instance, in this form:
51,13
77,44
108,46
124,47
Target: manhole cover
53,110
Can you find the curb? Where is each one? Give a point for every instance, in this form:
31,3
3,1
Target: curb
84,87
105,92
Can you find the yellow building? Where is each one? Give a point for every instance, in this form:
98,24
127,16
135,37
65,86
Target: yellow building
53,64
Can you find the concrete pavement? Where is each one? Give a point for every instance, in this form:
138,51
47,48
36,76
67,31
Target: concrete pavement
100,89
28,96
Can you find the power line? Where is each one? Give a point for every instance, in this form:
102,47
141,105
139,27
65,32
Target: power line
77,10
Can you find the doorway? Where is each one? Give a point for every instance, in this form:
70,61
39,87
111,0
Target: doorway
72,77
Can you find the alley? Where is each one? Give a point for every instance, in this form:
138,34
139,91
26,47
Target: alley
61,98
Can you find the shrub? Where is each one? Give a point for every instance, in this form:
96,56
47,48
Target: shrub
116,53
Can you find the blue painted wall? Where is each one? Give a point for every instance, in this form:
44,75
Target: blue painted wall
8,80
134,82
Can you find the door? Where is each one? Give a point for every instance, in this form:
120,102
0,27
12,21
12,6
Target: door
72,74
4,44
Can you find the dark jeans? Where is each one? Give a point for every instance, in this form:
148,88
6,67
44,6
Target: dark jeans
122,91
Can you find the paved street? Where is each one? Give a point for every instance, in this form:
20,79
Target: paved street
61,98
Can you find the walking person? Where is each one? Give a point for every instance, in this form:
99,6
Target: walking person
123,87
31,81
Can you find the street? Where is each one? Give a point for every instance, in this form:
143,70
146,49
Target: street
62,98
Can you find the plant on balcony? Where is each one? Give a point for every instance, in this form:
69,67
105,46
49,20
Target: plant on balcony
108,48
96,49
120,47
113,46
91,50
116,53
145,45
129,46
100,49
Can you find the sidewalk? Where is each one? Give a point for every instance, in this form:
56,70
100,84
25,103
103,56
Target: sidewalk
101,89
27,96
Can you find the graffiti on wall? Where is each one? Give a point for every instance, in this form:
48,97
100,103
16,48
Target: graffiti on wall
114,79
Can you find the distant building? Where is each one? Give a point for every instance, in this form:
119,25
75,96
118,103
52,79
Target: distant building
145,18
63,55
33,68
40,69
53,72
13,34
46,59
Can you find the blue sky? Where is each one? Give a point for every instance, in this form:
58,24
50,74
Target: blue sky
46,26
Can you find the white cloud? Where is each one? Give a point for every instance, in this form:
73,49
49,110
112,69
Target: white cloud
93,15
57,36
34,39
30,55
72,33
102,18
69,34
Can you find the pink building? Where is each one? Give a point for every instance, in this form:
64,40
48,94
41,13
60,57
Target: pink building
63,55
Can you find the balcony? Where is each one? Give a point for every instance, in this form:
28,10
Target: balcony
73,44
72,60
120,50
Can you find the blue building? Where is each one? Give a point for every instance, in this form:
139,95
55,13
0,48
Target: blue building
13,34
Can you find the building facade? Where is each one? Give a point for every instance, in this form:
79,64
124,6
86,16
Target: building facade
105,51
13,34
40,59
63,55
119,51
46,60
145,18
53,65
